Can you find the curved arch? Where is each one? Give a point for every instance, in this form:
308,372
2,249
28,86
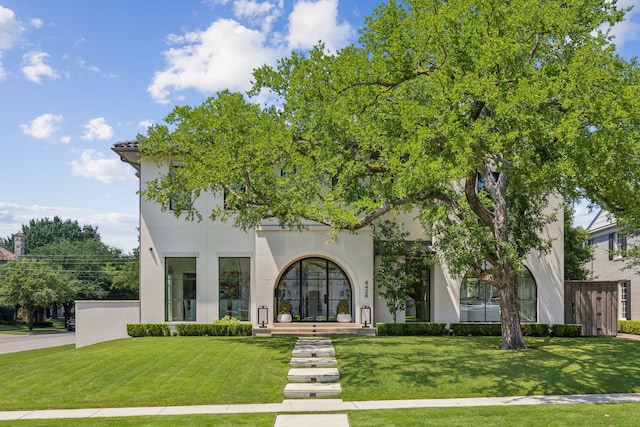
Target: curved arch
479,302
314,286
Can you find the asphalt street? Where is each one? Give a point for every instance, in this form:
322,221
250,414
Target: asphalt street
13,343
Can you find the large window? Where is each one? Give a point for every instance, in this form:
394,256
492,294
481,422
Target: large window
180,289
418,300
480,302
314,287
235,287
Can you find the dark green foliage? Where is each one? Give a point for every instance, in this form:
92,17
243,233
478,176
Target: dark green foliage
576,251
411,329
566,330
221,330
535,329
476,329
148,330
7,313
629,326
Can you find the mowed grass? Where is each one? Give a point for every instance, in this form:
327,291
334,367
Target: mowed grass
229,370
147,372
443,367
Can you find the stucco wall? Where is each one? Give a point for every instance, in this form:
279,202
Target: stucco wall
98,321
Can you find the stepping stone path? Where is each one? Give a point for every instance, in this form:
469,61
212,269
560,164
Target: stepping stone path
313,373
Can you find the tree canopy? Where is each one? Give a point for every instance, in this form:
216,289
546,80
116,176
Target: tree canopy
474,115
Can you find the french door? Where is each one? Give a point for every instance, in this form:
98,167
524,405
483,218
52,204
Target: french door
314,287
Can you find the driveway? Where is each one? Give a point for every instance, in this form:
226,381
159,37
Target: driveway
14,343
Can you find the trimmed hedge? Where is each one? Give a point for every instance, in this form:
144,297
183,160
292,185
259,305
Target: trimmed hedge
148,330
218,330
411,329
476,329
535,329
566,330
629,326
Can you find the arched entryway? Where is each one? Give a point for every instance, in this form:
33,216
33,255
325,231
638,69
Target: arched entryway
314,287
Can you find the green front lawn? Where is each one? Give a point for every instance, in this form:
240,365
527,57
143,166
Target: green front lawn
147,372
442,367
221,370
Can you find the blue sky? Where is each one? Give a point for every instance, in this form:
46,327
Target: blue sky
76,76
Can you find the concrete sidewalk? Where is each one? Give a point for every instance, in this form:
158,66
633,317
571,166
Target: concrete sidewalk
302,406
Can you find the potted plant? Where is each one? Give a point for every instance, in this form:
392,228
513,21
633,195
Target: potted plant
344,311
284,311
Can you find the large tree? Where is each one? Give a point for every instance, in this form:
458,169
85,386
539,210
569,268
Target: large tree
472,114
34,285
41,232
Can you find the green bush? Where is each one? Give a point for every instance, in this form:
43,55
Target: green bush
535,329
46,324
215,329
566,330
411,329
226,320
629,326
148,330
476,329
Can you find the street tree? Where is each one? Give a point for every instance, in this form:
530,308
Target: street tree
474,115
33,285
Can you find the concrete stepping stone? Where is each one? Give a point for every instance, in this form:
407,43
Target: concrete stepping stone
324,351
313,362
313,375
312,420
307,390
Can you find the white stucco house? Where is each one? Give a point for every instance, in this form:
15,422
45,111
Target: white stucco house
608,263
201,271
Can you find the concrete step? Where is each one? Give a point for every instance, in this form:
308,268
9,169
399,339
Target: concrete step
312,420
314,352
313,375
313,362
307,390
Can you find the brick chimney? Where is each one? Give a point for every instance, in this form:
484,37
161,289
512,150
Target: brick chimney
18,245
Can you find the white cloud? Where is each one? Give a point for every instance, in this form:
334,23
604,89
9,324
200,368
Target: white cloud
35,68
145,124
42,127
312,21
97,129
36,23
223,56
258,13
11,29
628,30
116,229
81,62
93,164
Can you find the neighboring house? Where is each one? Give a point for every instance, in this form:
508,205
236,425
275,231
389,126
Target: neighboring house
608,264
203,271
6,256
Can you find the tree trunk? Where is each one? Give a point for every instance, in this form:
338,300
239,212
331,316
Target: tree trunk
512,338
31,311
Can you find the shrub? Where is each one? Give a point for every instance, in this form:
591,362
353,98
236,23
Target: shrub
216,329
226,320
46,324
411,329
535,329
148,330
566,330
476,329
629,326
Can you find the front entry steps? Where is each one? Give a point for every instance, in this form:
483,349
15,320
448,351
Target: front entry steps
314,371
310,329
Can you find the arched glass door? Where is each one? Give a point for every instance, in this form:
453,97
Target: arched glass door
314,287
